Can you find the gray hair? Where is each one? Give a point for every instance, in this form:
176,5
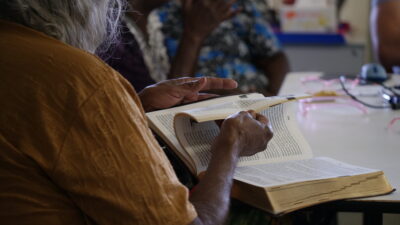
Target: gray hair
85,24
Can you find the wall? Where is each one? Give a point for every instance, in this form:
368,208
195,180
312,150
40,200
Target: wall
356,13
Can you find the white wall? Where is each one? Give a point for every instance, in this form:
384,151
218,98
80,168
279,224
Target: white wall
356,13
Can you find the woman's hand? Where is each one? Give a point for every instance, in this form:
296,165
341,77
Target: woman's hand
169,93
248,130
201,17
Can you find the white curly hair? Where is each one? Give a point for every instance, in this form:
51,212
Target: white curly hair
85,24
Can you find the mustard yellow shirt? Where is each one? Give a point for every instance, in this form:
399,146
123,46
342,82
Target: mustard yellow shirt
75,147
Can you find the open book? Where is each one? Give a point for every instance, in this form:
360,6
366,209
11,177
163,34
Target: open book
285,176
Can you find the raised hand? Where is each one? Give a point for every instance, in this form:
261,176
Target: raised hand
201,17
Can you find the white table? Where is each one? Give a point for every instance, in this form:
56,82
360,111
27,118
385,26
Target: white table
346,134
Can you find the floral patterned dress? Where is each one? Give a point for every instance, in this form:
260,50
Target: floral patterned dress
230,50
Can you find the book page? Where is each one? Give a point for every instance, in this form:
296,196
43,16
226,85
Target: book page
286,144
162,121
274,174
221,111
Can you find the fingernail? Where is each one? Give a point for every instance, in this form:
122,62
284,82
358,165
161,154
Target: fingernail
269,126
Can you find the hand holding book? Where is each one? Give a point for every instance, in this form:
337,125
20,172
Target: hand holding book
249,130
241,134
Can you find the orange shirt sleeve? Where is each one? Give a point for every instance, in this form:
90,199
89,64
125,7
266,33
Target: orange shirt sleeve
112,167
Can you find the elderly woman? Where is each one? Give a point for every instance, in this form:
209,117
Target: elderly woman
75,145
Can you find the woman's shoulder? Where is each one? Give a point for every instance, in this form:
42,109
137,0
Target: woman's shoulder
33,64
32,53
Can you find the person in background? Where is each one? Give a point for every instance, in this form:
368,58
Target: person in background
140,55
75,143
242,48
385,32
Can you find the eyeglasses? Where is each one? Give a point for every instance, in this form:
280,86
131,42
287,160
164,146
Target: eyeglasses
332,102
342,80
328,94
314,84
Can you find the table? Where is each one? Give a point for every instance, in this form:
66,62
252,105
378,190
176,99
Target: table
361,139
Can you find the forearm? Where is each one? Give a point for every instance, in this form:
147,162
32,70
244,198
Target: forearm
275,68
185,61
244,134
212,195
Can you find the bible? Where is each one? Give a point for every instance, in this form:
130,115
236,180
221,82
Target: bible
282,178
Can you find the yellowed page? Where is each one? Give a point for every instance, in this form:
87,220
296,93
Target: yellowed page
162,122
297,184
287,143
221,111
276,174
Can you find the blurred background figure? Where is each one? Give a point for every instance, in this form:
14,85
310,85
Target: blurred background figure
137,55
199,38
243,48
385,32
140,55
